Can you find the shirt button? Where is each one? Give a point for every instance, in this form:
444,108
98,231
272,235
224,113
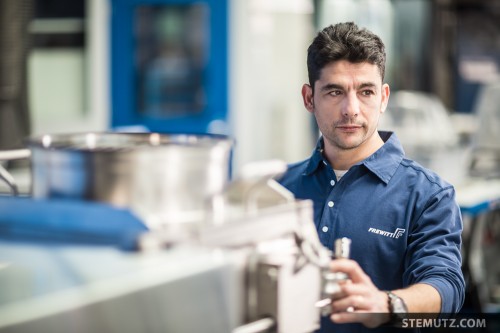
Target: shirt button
324,229
332,182
330,203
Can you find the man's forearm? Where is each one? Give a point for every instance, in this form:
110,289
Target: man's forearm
421,298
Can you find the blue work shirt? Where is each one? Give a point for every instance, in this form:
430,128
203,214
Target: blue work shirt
403,220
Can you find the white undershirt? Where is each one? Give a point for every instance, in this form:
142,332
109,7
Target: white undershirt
340,173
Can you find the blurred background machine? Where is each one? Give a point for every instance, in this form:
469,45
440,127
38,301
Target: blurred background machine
15,16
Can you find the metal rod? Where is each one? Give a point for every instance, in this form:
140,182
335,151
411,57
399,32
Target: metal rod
9,180
261,325
15,154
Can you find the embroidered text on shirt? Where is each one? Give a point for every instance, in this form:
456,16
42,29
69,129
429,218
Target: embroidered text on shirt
396,234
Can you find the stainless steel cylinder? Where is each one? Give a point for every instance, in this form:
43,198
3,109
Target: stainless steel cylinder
342,248
163,178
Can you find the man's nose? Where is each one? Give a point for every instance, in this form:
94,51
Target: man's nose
351,106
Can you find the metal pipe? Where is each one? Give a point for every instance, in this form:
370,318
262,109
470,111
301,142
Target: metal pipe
261,325
15,154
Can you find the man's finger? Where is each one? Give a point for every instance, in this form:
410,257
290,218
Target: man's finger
354,302
351,268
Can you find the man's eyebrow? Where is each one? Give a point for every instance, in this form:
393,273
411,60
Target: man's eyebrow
367,85
332,86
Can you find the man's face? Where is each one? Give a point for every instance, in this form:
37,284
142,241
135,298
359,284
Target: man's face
347,103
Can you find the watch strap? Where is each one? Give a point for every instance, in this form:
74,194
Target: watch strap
396,314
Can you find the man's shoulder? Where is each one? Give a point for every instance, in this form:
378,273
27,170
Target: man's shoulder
413,169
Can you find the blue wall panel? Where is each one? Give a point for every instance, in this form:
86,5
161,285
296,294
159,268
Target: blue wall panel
124,80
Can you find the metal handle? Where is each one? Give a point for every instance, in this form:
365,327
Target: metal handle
9,155
253,190
260,177
256,191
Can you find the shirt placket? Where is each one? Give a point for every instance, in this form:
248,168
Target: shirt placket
327,227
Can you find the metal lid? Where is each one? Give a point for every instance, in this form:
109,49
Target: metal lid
114,141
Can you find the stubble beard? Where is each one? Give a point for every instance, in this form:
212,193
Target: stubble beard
339,141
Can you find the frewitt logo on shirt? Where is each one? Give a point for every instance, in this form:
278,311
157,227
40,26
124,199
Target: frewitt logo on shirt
396,234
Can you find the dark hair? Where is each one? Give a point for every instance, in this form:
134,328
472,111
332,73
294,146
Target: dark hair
344,41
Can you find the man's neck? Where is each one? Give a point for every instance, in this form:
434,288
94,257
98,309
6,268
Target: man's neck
343,159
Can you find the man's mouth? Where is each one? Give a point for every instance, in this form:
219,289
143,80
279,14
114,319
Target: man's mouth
349,128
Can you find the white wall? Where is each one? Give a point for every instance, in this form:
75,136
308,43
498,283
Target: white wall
268,49
69,87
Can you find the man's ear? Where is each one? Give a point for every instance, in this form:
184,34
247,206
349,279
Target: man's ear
307,97
386,92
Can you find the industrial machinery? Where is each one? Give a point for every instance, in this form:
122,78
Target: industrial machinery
252,262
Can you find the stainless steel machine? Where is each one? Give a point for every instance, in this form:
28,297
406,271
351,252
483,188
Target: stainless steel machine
249,261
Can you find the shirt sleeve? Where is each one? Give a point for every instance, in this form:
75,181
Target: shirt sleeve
433,254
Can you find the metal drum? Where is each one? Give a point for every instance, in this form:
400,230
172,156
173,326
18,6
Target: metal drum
163,178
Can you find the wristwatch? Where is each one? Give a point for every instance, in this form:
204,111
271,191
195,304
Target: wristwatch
398,309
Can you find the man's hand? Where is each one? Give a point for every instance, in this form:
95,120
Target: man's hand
358,301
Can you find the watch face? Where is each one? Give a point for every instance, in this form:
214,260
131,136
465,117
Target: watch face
398,305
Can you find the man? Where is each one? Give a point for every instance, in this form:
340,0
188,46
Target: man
403,220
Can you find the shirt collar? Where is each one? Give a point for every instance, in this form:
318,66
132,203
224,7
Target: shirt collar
316,158
383,163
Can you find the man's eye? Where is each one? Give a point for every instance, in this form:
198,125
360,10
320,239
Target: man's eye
335,92
367,92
